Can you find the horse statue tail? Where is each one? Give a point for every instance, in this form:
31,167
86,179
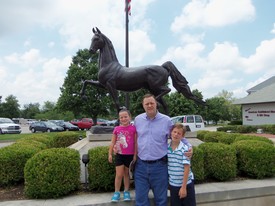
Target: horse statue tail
180,83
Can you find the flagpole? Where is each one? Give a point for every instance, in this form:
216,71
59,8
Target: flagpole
127,102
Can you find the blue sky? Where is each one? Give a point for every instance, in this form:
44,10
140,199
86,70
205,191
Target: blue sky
216,44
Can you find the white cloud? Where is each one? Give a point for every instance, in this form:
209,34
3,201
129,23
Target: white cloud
263,59
28,59
273,29
215,13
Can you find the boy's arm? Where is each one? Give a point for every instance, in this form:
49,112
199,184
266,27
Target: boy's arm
183,191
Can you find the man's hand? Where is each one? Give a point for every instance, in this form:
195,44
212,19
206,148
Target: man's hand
189,154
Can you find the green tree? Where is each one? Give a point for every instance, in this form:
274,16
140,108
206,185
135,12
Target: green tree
234,111
30,110
216,109
180,105
10,107
98,102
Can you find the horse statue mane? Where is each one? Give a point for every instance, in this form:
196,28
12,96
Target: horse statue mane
114,77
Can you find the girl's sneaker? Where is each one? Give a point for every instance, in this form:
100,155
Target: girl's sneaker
116,197
126,196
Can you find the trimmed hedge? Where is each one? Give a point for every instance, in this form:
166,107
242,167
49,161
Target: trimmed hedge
197,164
101,172
256,159
220,161
201,134
252,137
248,128
213,136
43,138
13,159
63,139
52,173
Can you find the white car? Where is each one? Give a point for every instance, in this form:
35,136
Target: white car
191,122
7,126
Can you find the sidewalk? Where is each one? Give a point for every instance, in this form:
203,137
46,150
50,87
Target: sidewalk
208,193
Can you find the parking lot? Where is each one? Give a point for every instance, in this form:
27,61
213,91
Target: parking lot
25,129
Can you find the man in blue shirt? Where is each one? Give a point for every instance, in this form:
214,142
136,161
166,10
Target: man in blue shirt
151,171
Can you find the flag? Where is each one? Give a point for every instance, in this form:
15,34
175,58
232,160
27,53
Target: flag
129,6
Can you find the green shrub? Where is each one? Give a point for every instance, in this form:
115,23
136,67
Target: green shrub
269,128
236,122
39,137
52,173
213,136
219,161
13,159
228,138
255,159
201,134
246,129
101,172
197,164
63,139
252,137
231,128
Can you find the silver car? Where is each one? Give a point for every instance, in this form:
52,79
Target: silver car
7,126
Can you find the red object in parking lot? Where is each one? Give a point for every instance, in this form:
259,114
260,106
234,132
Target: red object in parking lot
84,123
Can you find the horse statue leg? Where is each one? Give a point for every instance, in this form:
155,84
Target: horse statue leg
91,82
180,83
114,94
163,90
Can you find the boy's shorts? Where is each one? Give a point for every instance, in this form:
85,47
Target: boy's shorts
123,160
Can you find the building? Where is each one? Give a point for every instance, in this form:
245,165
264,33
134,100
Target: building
258,107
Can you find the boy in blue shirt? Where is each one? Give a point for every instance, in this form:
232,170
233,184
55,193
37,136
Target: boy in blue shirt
181,178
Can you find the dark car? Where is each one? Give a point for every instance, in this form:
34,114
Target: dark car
45,126
68,126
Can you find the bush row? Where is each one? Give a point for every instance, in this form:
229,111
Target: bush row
14,157
223,157
247,128
54,172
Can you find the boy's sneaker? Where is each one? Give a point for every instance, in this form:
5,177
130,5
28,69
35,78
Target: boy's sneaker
126,196
116,197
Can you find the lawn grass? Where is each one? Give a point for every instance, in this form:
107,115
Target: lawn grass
14,137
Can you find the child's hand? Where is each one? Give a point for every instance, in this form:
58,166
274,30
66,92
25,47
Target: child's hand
115,149
110,159
182,192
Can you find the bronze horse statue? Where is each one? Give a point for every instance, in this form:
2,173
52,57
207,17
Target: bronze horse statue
113,76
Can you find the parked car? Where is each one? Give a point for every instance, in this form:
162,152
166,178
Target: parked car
7,126
112,122
84,123
45,126
68,126
191,122
102,122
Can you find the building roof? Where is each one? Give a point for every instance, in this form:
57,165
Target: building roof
264,95
262,85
